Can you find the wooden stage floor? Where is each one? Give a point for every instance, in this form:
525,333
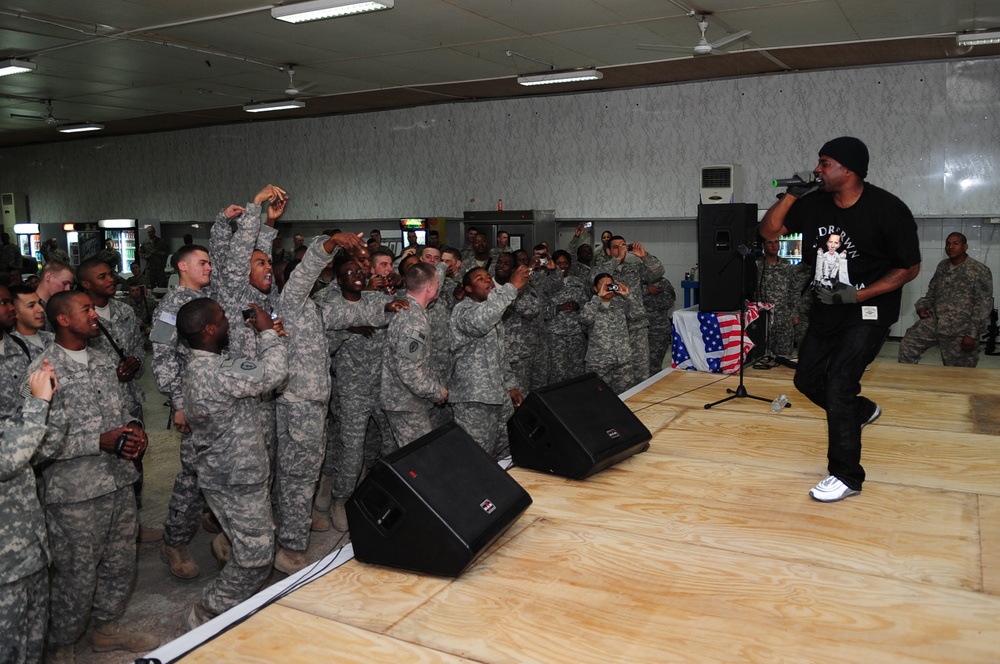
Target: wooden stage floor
707,547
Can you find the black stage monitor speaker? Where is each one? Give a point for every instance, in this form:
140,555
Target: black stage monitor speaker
575,428
434,505
721,231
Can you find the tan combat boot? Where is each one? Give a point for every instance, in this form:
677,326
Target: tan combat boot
179,560
110,636
289,561
222,549
338,514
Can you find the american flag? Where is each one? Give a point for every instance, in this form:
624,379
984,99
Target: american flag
710,342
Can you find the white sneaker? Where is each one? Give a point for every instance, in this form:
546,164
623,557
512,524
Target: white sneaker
831,490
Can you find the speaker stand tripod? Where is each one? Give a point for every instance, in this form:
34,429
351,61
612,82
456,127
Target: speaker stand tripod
741,391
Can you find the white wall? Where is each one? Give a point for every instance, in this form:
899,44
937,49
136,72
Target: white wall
932,129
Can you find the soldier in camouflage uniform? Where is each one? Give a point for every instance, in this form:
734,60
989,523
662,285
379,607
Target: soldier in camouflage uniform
802,275
301,407
658,298
519,331
410,387
143,306
170,358
452,259
24,554
30,326
482,383
633,273
14,356
89,499
565,296
955,311
440,316
231,459
776,284
606,318
362,315
111,256
97,280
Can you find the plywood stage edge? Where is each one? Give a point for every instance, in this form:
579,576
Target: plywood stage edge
706,548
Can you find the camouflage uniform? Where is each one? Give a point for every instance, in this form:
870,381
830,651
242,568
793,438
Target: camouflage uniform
521,337
10,258
112,258
960,299
608,354
301,408
231,460
89,501
24,555
143,310
660,330
13,362
231,253
777,285
357,360
170,359
565,333
802,276
633,273
124,329
36,342
409,385
439,314
153,254
482,377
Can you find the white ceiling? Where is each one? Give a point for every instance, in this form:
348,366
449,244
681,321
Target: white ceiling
148,65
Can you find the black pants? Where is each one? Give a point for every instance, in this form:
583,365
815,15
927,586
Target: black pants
829,374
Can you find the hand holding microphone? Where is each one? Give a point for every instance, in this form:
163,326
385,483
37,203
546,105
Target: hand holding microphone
802,184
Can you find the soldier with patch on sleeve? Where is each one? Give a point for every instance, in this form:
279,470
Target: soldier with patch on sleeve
231,460
410,387
170,358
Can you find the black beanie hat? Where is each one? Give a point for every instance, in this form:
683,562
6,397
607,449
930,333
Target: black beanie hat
850,152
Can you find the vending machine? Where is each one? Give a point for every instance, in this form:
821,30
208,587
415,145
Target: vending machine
122,233
29,242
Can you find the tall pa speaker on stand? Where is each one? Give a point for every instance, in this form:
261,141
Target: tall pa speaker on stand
575,428
434,505
725,283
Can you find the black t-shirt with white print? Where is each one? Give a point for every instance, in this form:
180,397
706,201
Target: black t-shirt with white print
857,246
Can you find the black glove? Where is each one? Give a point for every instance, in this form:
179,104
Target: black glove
810,185
839,294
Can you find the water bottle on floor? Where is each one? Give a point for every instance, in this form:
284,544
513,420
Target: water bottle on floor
779,403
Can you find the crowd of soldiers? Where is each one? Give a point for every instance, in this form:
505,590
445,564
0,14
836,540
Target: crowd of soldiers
283,397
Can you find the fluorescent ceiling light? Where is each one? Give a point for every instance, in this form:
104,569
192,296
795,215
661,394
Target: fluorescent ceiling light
14,66
274,106
82,126
116,223
561,77
315,10
26,229
979,38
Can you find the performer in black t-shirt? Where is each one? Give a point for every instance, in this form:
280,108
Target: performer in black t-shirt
869,238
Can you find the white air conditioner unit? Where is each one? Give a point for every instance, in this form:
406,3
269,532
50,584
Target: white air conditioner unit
15,210
722,183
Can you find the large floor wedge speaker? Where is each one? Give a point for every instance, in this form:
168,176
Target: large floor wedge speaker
434,505
575,428
722,231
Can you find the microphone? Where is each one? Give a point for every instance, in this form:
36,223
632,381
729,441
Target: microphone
793,182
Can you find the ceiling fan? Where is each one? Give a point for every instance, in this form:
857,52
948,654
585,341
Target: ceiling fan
48,117
703,47
293,90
